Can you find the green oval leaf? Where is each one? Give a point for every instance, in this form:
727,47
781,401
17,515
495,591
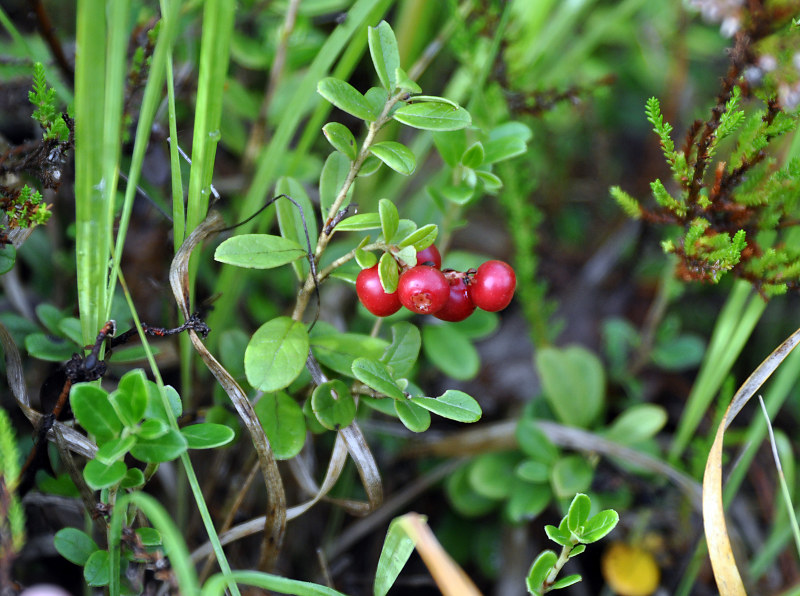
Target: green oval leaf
340,137
207,435
331,180
413,417
464,498
473,156
74,545
450,351
566,581
402,353
96,571
94,412
578,512
491,474
134,478
389,218
570,475
133,385
433,116
8,254
599,526
452,404
359,222
388,272
534,443
574,383
395,155
557,535
46,347
384,53
337,350
167,447
346,97
540,569
115,449
258,251
533,471
638,423
527,500
149,536
397,548
283,422
333,405
153,428
276,354
422,238
99,475
376,375
369,166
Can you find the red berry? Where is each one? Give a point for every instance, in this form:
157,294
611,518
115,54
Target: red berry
370,292
429,255
423,289
493,286
458,306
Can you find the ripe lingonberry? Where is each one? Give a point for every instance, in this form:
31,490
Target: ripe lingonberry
372,296
429,256
423,289
493,286
458,306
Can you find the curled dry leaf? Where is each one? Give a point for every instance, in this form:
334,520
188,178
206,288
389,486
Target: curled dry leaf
275,521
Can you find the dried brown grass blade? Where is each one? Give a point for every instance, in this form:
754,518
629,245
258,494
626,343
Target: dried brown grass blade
275,518
726,573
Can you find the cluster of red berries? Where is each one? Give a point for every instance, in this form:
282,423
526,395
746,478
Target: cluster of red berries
448,295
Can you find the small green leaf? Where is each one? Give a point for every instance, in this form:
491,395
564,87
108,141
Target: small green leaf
384,53
491,474
448,193
473,156
165,448
149,536
70,327
491,182
258,251
540,569
207,435
134,478
389,218
375,374
52,349
388,273
331,180
276,354
96,571
566,581
48,315
527,500
451,145
94,412
333,405
99,475
678,354
369,166
366,259
155,403
153,428
283,422
422,238
579,548
395,155
535,443
638,423
340,137
413,417
8,255
599,526
452,404
557,536
345,97
377,97
397,548
573,381
404,82
578,512
506,141
406,255
115,449
359,222
533,471
450,352
338,350
74,545
133,385
433,116
402,353
464,498
570,475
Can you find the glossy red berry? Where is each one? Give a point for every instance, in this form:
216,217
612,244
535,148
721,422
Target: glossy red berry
423,289
429,255
459,305
493,286
370,292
